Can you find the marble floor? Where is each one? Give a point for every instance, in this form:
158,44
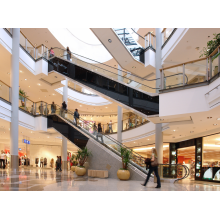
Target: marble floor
36,179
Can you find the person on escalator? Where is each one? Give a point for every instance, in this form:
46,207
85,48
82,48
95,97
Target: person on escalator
68,53
51,52
153,168
76,116
64,109
53,108
99,134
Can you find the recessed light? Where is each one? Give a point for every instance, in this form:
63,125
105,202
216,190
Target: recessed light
109,40
46,41
161,119
38,84
215,124
148,139
28,86
25,79
20,71
174,130
8,73
191,131
218,119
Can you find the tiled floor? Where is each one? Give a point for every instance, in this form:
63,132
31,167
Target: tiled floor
33,179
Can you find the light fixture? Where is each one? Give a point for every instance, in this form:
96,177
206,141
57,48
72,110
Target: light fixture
38,84
8,73
46,41
25,79
174,130
218,119
109,40
161,119
191,131
20,71
28,86
215,124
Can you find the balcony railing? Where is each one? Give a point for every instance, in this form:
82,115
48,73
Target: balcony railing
192,72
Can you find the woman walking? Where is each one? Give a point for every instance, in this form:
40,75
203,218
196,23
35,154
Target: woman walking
153,168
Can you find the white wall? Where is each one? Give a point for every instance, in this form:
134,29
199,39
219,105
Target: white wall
189,100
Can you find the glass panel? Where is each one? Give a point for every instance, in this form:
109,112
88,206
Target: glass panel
4,91
214,66
39,51
22,41
111,72
167,33
173,77
195,72
26,104
30,49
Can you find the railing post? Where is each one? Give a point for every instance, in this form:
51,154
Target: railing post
219,60
46,109
41,108
10,92
210,67
34,54
207,69
35,111
26,44
145,38
162,80
148,39
184,75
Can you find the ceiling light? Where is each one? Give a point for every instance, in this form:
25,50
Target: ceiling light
161,119
148,139
20,71
191,131
38,84
215,124
174,130
25,79
109,40
218,119
46,41
8,73
28,86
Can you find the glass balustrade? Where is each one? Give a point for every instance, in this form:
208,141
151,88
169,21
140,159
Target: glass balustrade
107,71
4,91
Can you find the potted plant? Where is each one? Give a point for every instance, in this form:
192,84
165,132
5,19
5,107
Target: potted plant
126,155
82,156
22,97
74,162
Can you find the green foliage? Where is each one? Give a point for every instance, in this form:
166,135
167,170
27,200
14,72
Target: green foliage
211,46
22,94
74,160
126,155
82,156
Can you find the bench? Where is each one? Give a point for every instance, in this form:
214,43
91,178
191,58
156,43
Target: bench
98,173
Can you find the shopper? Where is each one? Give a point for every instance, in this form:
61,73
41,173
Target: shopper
110,127
2,159
129,122
60,163
57,163
63,109
51,52
95,129
153,168
53,108
32,110
76,116
68,53
99,134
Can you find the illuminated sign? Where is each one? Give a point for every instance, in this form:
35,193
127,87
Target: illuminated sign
25,141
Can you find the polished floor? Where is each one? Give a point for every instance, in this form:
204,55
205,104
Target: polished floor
36,179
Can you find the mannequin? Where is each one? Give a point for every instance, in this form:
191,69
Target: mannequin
36,161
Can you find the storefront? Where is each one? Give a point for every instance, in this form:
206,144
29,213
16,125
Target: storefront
200,155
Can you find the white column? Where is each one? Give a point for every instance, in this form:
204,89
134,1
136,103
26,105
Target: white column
158,56
14,98
119,134
120,78
64,153
64,140
65,91
159,142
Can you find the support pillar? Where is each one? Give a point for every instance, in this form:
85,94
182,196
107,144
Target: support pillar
120,78
14,128
64,153
64,140
158,58
159,142
119,133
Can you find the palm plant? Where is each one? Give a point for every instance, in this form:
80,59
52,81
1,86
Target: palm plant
22,94
82,156
74,160
126,155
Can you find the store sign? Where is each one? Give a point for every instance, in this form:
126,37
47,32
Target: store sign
26,141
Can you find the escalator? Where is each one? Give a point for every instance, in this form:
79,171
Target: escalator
120,88
64,123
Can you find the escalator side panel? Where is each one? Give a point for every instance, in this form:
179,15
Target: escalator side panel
73,135
135,99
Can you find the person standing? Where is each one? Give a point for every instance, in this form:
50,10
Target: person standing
51,52
57,163
95,129
129,122
68,53
63,109
76,116
110,127
60,163
99,134
53,108
153,168
2,159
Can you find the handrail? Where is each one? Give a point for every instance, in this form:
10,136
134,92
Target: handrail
5,84
150,34
81,92
213,89
169,67
136,33
27,39
215,51
107,65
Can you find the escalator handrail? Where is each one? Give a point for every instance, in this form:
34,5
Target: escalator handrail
61,57
105,65
135,164
137,33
